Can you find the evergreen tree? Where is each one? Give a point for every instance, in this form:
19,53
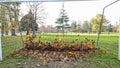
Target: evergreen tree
63,19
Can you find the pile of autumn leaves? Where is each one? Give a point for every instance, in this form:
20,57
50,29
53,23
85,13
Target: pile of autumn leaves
56,51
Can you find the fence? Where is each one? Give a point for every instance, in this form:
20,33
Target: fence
108,42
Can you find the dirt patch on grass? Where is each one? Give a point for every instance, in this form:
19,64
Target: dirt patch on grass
51,64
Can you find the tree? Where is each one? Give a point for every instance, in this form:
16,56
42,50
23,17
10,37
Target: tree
95,21
50,29
14,26
118,28
43,28
27,22
86,27
63,19
109,28
3,19
38,12
78,28
13,16
74,26
90,27
9,15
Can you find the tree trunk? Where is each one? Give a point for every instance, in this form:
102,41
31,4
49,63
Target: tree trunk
33,28
27,32
63,29
33,31
2,32
6,33
34,22
13,32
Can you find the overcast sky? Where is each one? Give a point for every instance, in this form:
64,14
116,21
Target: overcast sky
80,10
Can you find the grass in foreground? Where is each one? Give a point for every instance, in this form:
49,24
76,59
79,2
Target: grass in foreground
107,58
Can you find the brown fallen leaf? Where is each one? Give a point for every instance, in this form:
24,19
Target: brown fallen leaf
44,62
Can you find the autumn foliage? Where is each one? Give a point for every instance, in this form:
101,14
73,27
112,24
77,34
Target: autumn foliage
56,51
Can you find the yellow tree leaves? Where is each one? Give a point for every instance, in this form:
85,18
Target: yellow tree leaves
95,27
95,21
7,29
14,24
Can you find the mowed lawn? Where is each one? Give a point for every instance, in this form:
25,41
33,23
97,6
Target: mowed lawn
107,57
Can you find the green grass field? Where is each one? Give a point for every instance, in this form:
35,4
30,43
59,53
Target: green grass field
106,58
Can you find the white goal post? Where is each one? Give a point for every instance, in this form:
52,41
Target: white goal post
119,43
0,49
40,0
0,45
